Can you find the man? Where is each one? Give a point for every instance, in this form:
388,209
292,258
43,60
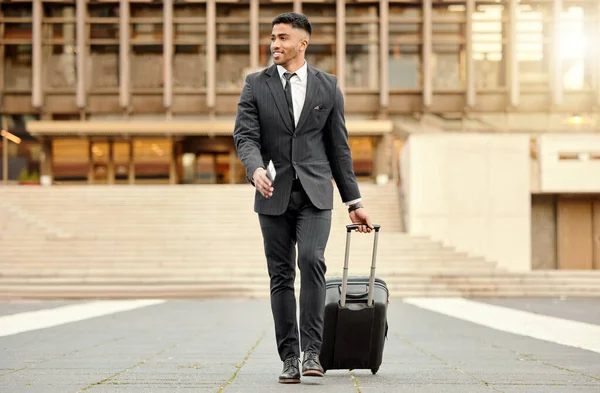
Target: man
293,115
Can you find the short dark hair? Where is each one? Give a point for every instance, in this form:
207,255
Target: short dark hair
295,19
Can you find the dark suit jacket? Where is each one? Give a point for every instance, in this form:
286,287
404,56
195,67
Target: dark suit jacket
317,149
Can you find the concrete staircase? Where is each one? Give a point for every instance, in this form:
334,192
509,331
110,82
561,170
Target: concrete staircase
205,241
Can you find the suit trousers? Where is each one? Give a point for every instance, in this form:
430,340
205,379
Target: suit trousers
303,225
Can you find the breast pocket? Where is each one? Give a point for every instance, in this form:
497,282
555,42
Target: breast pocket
320,115
321,110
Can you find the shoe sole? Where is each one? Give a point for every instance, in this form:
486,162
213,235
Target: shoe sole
312,373
290,380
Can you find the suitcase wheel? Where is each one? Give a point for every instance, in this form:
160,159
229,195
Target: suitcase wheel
374,370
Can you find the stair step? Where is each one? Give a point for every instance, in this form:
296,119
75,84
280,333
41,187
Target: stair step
163,241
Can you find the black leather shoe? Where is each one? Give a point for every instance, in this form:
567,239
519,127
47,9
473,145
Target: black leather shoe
291,371
311,366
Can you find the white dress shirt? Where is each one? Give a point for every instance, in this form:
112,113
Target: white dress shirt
298,82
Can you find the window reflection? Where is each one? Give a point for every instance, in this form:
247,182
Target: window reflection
100,159
574,48
362,155
362,46
533,46
321,51
152,159
488,44
189,60
448,26
233,45
405,46
121,157
70,159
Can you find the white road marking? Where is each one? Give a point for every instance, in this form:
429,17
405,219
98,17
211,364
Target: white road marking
557,330
42,319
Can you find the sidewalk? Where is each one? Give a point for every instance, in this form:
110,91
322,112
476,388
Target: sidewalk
228,346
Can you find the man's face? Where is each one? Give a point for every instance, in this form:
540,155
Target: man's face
288,44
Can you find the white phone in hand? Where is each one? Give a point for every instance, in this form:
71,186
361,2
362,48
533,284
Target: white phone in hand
271,173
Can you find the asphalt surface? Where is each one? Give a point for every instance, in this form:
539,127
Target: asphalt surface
229,346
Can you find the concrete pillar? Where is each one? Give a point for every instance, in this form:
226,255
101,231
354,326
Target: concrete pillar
470,64
46,158
384,58
597,41
512,53
427,48
4,151
168,53
124,54
2,29
373,51
556,66
382,159
81,11
211,53
37,70
340,43
69,51
254,35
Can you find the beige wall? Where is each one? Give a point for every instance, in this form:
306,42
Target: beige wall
569,162
471,191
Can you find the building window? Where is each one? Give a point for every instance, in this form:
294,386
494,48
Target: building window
448,50
489,41
17,40
189,61
321,49
534,36
103,22
405,46
100,160
104,64
121,158
362,46
152,159
233,45
576,46
362,155
70,159
147,67
147,47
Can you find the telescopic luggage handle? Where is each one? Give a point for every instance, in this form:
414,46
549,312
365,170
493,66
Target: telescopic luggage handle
349,229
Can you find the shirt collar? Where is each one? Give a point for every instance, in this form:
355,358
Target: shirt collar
301,73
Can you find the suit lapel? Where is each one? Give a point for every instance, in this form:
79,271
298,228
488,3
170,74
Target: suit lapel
312,87
274,83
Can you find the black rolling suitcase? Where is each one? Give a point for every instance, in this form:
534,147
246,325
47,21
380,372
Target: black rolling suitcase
355,321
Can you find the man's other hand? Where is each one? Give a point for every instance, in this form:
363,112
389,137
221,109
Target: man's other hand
262,182
360,216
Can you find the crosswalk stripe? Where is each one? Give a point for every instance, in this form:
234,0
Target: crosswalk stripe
557,330
42,319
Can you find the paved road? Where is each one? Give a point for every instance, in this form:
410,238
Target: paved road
228,346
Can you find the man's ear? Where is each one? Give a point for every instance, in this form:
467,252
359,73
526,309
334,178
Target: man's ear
304,44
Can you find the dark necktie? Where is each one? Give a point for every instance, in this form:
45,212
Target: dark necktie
288,96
